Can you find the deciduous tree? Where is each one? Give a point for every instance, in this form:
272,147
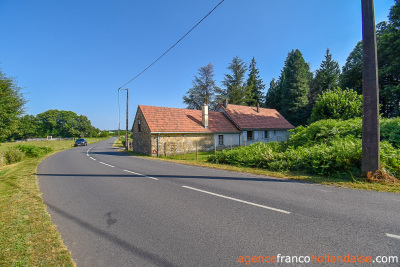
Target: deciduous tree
11,106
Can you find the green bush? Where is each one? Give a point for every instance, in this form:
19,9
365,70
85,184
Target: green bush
390,159
32,151
251,156
13,155
325,130
104,134
337,104
390,131
122,139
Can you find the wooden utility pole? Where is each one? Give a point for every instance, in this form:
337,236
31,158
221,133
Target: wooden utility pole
119,118
370,130
127,126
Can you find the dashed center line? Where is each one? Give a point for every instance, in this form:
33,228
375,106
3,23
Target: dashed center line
141,174
92,158
107,164
393,236
238,200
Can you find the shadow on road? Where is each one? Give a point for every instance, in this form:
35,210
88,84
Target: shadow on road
110,153
154,259
230,178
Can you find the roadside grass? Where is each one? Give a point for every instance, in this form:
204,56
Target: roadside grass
346,182
28,236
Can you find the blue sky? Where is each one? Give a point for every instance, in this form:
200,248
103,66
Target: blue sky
74,55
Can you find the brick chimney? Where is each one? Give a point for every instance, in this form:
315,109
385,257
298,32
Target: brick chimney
204,115
258,107
226,103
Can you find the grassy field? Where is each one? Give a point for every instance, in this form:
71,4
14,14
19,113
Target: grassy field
28,237
55,145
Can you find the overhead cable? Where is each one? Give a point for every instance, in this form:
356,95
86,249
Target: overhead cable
172,45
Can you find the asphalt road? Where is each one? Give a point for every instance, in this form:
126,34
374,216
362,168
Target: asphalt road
118,210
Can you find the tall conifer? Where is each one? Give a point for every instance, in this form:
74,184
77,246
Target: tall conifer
294,86
255,86
326,77
235,87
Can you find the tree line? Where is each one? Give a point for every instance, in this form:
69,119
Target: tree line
302,96
237,88
56,123
15,125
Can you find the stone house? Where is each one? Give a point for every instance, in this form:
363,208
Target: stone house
165,131
255,123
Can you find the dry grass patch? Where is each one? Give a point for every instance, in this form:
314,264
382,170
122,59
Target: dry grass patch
382,177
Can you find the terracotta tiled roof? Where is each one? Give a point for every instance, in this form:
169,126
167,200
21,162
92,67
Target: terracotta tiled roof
160,119
248,118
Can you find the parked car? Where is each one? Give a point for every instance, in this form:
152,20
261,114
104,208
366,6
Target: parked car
80,142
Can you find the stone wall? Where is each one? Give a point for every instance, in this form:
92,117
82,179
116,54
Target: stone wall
170,144
141,139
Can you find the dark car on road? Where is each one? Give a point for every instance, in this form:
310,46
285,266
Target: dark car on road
80,142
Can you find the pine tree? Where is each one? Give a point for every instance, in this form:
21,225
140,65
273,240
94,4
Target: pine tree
235,88
326,77
203,90
273,97
255,86
294,86
351,76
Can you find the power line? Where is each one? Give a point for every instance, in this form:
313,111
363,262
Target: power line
173,45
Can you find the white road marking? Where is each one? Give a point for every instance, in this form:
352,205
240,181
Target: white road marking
393,236
141,174
107,164
87,152
92,158
238,200
133,172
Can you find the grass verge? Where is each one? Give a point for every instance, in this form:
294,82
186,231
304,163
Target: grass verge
28,236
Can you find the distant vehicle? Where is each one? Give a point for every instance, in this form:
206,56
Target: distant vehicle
80,142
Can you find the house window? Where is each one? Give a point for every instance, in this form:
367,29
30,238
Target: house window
250,135
266,135
220,140
139,126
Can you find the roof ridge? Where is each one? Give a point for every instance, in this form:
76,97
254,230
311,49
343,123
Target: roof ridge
247,106
199,110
